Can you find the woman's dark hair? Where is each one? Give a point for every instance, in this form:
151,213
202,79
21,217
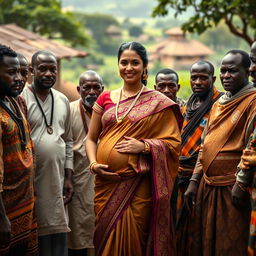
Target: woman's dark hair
140,50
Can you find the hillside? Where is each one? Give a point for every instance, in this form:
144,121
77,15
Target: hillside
131,8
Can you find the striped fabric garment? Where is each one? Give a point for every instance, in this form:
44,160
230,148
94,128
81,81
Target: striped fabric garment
193,142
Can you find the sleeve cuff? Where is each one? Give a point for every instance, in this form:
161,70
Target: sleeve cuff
69,164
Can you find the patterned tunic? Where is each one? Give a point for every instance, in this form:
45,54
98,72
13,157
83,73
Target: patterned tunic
17,184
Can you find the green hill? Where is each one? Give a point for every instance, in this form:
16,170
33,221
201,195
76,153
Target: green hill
132,8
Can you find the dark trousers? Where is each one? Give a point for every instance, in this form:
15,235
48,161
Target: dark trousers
53,245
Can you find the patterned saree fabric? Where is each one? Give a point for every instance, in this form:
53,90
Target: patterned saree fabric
133,216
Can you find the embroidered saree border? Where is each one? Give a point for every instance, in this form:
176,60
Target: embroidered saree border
148,104
162,186
116,205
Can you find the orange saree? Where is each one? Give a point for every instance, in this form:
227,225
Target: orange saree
133,216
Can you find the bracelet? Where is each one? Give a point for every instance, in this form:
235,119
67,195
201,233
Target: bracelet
195,180
91,167
146,148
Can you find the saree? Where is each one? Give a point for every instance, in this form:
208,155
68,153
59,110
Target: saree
133,216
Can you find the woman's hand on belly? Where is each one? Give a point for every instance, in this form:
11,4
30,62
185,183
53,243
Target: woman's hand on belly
130,145
103,171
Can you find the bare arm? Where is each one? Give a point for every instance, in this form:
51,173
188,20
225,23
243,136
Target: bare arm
93,136
91,148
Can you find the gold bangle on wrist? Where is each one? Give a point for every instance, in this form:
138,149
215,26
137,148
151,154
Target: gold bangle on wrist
91,167
146,148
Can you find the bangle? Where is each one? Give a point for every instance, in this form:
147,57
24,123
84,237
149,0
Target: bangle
146,148
91,167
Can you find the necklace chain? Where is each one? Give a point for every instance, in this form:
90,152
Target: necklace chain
129,96
48,126
119,119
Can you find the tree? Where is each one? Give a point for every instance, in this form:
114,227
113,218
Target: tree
135,31
220,38
239,15
44,17
97,24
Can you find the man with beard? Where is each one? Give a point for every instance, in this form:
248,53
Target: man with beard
196,114
18,228
220,227
81,208
167,82
49,118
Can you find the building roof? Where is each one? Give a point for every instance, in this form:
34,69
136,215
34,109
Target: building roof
174,31
113,29
177,45
183,48
27,43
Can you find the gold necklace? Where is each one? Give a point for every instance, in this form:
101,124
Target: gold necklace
130,96
119,119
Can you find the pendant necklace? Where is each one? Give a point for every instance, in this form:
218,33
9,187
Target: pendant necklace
48,126
119,119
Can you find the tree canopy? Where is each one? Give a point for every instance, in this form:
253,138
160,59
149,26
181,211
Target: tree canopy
97,24
44,17
239,15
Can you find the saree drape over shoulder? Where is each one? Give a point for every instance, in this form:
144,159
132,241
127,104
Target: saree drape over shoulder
133,216
220,227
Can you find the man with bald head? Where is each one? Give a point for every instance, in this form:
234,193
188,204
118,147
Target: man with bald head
220,226
49,118
196,114
167,82
81,208
246,175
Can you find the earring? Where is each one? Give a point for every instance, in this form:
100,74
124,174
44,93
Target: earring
144,76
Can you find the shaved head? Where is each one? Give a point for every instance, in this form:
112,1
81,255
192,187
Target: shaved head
90,73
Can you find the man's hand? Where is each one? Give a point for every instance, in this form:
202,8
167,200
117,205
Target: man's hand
190,194
238,195
68,189
102,171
